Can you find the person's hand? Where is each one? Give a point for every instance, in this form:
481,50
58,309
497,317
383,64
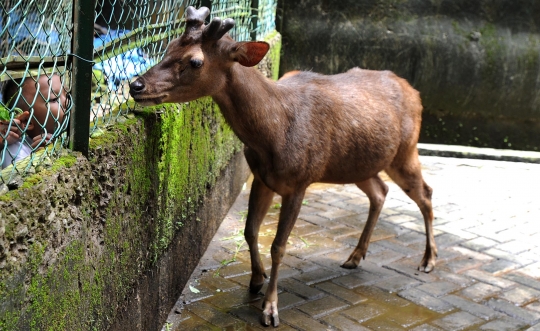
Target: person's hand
15,133
41,140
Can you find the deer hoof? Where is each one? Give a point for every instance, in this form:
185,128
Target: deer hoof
255,288
427,265
270,315
350,264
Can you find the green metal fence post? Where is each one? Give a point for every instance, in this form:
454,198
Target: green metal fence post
254,18
83,49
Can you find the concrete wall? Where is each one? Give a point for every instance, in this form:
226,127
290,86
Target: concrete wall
108,242
476,63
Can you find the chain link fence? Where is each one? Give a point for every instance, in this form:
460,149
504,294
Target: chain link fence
37,72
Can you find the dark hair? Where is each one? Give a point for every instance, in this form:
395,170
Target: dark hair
11,88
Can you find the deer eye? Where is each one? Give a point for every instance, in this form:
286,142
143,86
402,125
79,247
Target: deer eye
196,63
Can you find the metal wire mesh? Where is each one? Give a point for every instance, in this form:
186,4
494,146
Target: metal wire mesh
35,38
266,22
240,11
129,37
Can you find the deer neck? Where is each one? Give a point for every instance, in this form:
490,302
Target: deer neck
252,106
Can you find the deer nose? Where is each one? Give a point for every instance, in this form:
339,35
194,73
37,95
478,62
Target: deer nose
137,86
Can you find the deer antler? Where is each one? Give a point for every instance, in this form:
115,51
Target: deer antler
195,17
217,28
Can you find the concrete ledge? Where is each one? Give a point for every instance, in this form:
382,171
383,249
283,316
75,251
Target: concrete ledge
478,153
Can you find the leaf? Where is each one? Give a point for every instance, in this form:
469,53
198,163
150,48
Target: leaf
193,289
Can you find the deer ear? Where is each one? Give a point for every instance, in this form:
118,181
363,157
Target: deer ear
249,53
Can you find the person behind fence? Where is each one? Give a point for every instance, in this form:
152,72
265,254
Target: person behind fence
43,102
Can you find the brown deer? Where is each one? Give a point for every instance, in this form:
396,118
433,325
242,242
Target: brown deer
306,128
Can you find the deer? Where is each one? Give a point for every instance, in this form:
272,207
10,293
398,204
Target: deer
299,130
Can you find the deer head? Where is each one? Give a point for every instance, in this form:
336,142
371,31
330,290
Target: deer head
196,64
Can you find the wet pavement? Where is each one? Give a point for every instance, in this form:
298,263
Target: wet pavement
487,227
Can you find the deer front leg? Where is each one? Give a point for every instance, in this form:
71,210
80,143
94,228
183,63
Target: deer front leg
289,212
260,199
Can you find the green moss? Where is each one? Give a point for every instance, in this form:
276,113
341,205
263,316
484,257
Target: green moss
274,53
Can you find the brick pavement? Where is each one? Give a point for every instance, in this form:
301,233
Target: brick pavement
487,227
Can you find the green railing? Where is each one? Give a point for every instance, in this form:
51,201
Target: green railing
65,67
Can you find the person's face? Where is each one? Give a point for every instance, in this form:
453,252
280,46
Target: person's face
49,102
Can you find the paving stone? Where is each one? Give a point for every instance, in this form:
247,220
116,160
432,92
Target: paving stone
480,291
426,327
401,249
354,221
323,306
233,298
513,311
294,286
484,258
514,246
520,295
317,276
457,321
422,299
490,279
300,320
384,257
354,280
387,299
306,230
410,315
335,213
479,244
320,221
397,283
342,323
364,311
409,268
235,270
476,309
532,270
398,219
195,323
382,323
487,267
499,266
212,315
497,253
522,279
447,240
411,237
338,233
535,306
215,282
342,293
203,293
316,245
460,280
438,288
252,316
503,324
287,300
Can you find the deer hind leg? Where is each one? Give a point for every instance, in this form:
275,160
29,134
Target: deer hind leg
376,191
289,212
260,198
408,176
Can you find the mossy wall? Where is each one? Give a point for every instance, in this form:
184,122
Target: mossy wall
475,63
108,242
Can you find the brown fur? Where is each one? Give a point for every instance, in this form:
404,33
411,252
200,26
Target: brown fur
303,129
